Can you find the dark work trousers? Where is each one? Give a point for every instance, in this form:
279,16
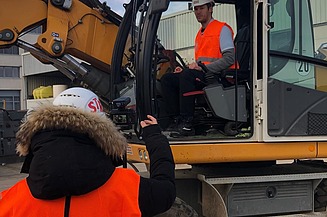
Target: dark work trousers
174,85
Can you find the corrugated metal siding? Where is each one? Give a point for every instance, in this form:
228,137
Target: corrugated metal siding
178,31
319,8
32,66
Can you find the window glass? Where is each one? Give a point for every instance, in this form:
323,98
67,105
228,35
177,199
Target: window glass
9,72
297,76
281,33
294,35
10,100
15,72
16,105
291,33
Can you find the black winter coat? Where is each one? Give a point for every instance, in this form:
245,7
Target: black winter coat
71,152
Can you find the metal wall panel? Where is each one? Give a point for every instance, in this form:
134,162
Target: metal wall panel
178,31
10,60
11,84
319,8
32,66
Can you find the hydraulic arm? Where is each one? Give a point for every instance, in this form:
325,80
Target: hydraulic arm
69,27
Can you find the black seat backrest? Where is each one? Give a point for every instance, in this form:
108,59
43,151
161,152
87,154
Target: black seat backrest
242,52
242,47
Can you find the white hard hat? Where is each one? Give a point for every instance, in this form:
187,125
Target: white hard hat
81,98
202,2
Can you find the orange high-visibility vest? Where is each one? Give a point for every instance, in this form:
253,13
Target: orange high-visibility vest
207,44
117,197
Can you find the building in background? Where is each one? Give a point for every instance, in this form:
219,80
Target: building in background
11,82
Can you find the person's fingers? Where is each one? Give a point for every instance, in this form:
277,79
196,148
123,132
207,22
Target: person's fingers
150,117
148,122
143,124
153,119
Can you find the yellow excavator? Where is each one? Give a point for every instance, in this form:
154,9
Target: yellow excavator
259,143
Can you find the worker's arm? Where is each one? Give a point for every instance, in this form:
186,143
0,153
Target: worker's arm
228,53
158,192
223,63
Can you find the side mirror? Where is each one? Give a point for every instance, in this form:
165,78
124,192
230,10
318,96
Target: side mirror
322,51
158,6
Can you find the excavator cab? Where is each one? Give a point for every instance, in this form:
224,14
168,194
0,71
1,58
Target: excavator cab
272,44
226,110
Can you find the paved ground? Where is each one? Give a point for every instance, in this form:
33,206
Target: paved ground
10,174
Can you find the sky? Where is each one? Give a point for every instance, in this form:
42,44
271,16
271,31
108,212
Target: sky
117,6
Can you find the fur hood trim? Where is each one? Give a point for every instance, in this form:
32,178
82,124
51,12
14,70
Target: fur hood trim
101,129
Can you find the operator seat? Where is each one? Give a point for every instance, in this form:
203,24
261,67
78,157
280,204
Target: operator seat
242,44
242,56
221,97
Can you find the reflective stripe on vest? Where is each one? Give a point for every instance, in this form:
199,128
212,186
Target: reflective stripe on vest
207,44
117,197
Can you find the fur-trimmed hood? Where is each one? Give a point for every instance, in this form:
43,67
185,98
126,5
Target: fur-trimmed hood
49,117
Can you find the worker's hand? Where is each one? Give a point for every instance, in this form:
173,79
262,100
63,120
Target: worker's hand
150,121
178,69
210,78
195,66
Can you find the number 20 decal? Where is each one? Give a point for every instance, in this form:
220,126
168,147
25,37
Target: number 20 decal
303,68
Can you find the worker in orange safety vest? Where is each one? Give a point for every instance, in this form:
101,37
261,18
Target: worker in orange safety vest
72,152
214,47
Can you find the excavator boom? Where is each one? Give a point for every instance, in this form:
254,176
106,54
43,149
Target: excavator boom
73,28
78,38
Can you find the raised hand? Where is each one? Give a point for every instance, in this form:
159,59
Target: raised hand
150,121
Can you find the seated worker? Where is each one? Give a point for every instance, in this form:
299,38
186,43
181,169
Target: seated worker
214,47
72,150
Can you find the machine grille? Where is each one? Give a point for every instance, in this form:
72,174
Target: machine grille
317,124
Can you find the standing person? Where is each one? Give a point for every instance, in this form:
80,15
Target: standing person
71,151
214,47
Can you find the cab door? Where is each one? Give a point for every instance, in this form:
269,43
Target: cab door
296,105
145,49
